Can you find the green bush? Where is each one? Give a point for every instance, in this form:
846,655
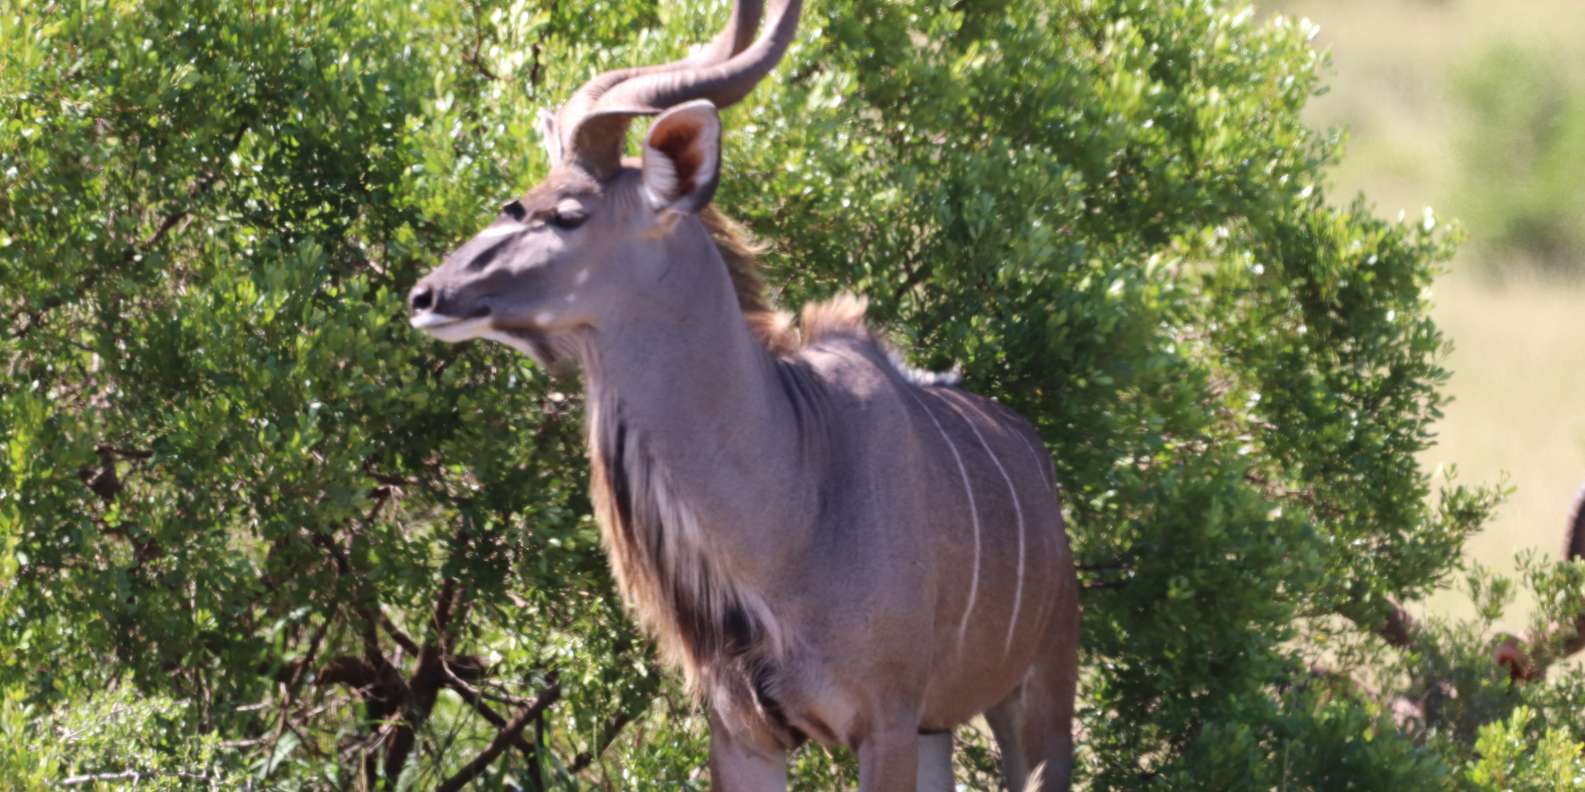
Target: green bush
235,480
1512,758
116,736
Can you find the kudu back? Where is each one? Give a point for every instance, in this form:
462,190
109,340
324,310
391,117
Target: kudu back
828,545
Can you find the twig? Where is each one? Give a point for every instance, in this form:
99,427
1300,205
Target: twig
478,44
536,68
613,727
1097,585
1120,563
470,771
471,695
1400,630
129,775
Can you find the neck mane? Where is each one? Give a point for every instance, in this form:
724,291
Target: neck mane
771,326
677,429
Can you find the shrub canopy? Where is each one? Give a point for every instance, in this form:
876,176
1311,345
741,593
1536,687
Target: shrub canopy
283,539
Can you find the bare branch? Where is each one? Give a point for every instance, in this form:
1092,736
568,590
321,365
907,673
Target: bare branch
470,771
536,68
1104,566
1097,585
402,638
471,695
473,58
129,775
447,600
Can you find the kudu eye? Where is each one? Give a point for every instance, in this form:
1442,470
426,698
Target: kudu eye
567,216
566,220
515,210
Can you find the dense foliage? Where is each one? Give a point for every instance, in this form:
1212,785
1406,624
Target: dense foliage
255,530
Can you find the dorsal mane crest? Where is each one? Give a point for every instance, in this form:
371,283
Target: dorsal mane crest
773,327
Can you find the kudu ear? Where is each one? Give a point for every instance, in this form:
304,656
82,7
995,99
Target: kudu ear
550,136
682,157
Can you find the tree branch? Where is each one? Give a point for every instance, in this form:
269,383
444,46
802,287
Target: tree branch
402,639
447,601
536,50
471,695
478,44
429,675
1400,630
470,771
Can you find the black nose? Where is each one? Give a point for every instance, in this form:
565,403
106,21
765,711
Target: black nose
421,299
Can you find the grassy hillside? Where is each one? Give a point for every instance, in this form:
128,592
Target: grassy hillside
1519,337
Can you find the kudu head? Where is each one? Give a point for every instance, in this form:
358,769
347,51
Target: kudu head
594,243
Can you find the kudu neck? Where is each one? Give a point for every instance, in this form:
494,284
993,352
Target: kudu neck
683,335
686,377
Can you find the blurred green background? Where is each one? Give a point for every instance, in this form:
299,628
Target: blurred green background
1477,109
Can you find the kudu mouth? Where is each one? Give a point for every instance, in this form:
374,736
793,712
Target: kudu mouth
427,313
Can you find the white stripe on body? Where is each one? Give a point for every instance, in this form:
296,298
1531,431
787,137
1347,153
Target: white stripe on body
1018,511
1042,464
1047,475
974,580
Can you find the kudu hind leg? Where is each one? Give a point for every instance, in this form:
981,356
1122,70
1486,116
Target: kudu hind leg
1047,717
1006,722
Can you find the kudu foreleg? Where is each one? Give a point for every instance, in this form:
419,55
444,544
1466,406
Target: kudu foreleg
889,759
738,767
935,762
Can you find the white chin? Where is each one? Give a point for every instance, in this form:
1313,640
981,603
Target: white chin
452,331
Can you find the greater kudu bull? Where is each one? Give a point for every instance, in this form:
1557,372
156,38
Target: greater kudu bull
828,544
